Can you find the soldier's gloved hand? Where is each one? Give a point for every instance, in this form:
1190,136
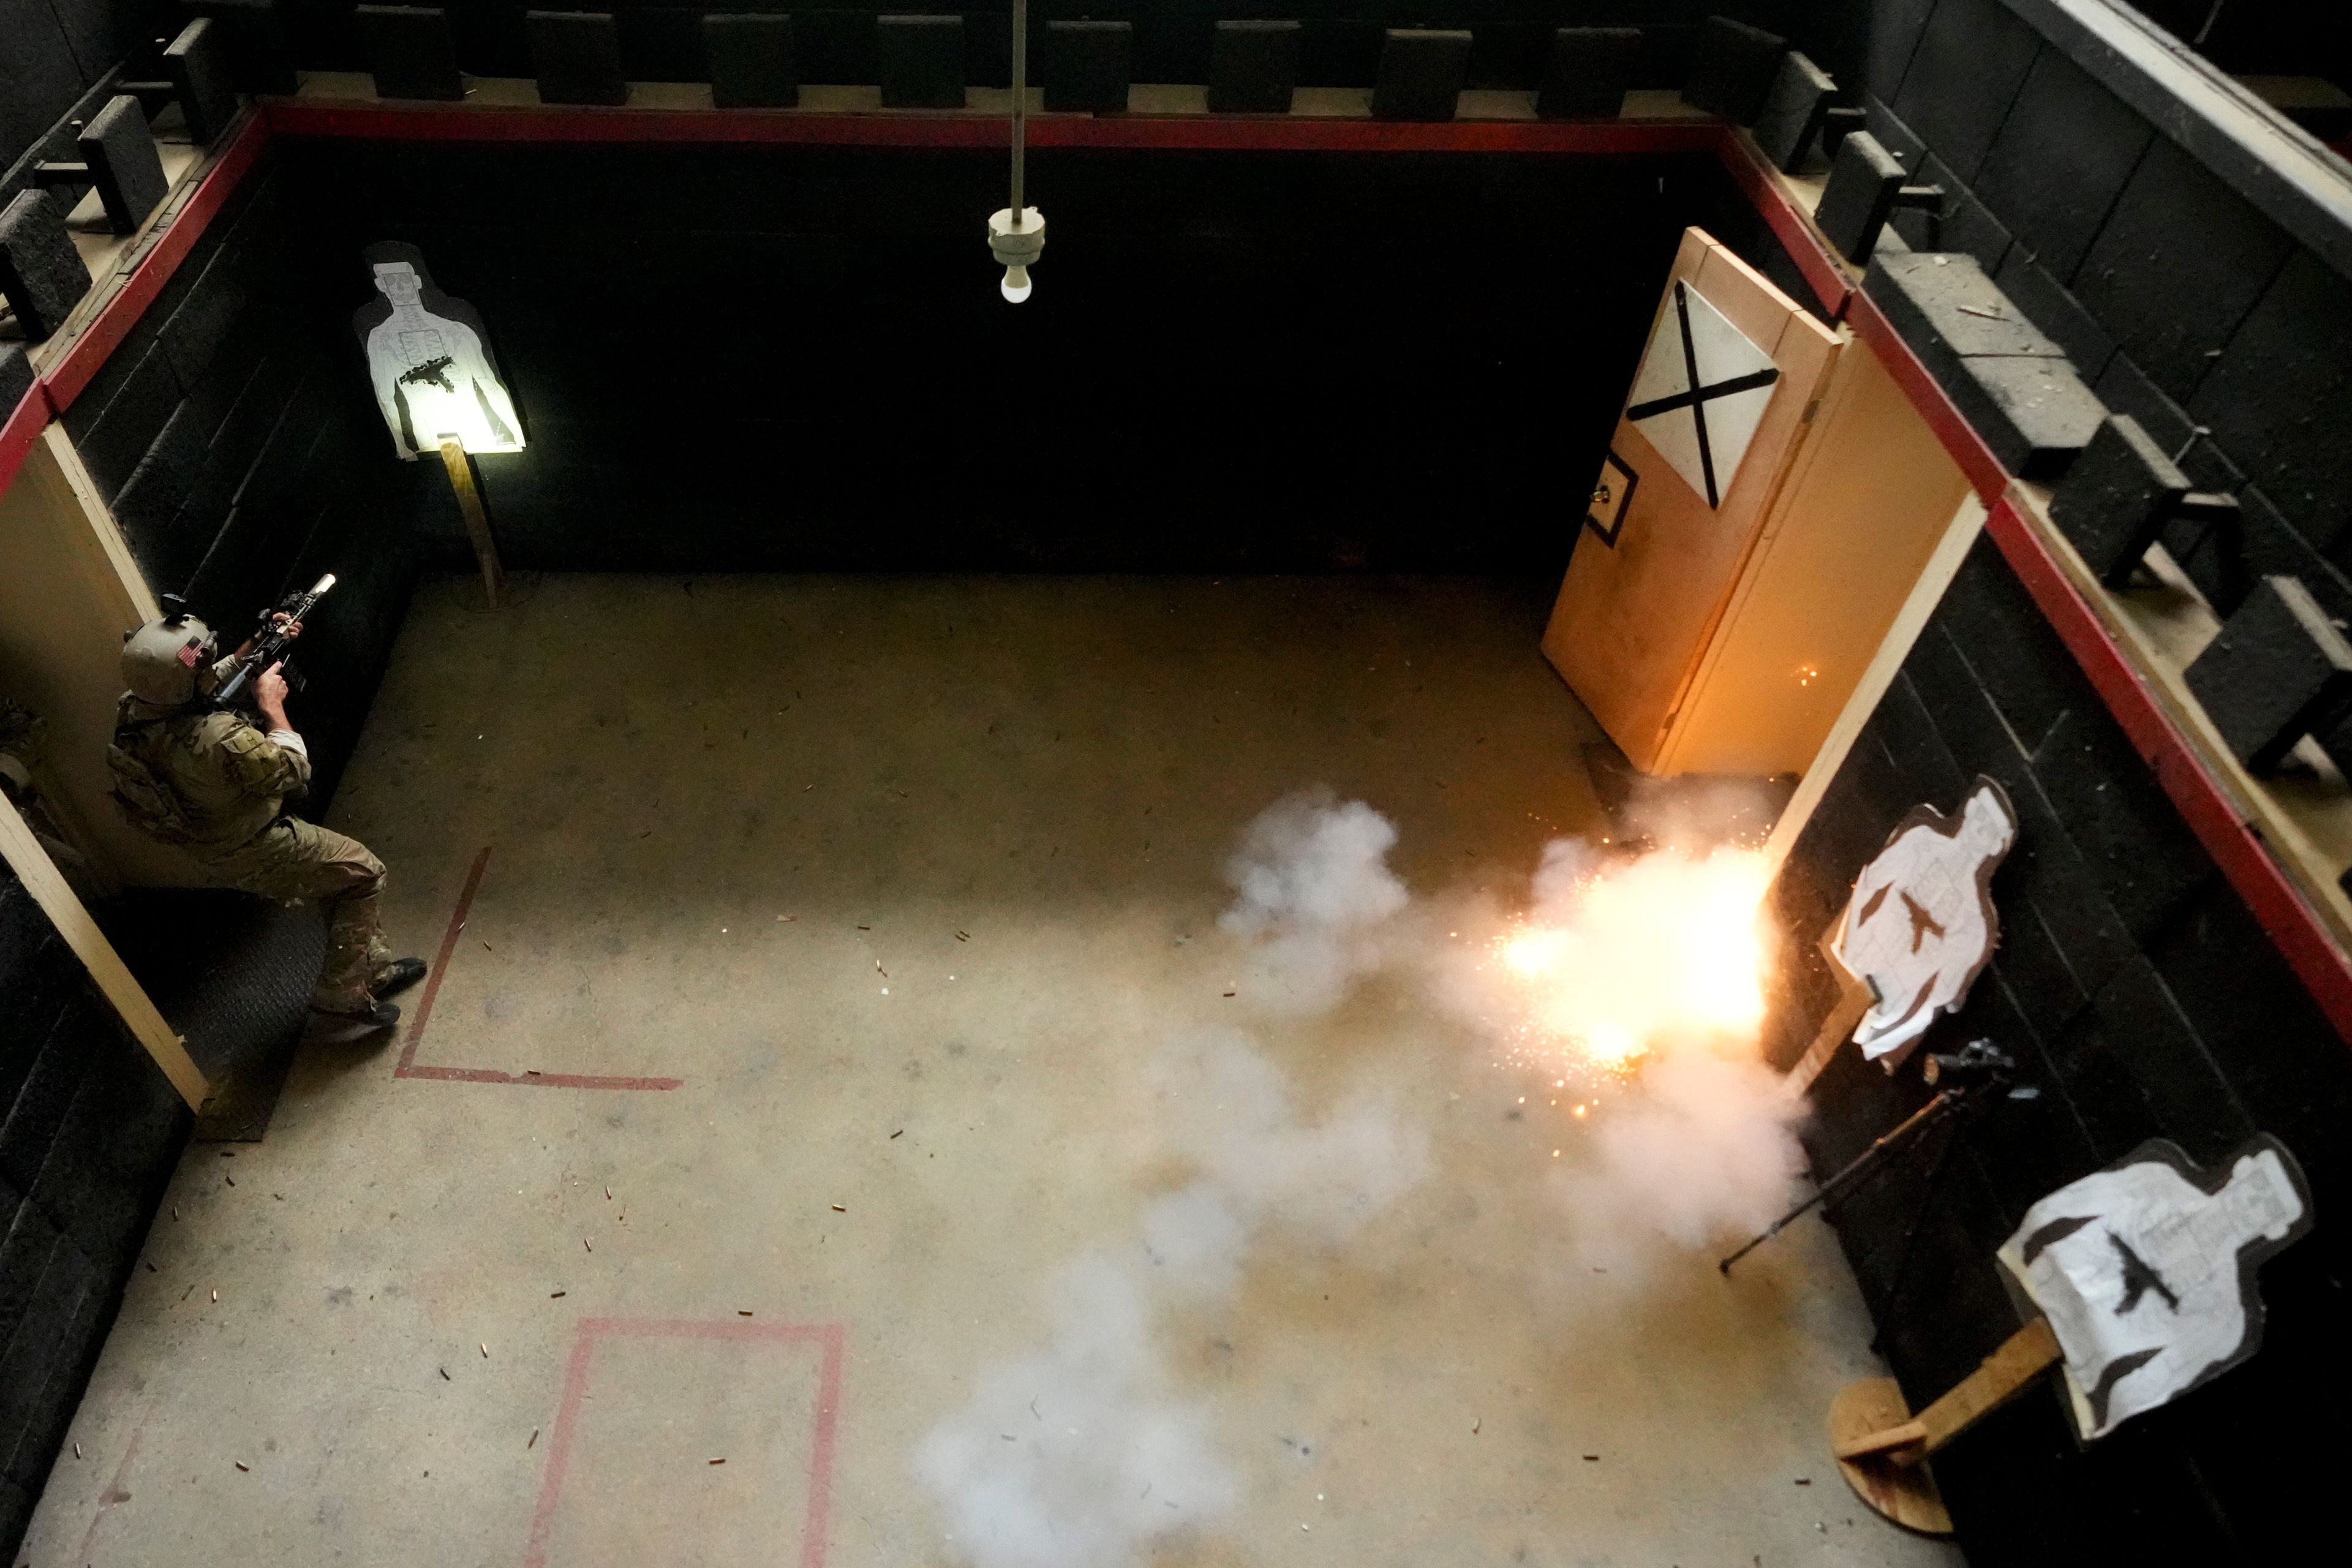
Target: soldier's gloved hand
269,696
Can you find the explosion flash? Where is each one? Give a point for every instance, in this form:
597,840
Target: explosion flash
1621,957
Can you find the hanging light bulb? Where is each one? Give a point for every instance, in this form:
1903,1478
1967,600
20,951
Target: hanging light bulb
1015,243
1016,234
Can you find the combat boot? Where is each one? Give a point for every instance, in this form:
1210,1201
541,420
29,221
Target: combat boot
373,1013
396,974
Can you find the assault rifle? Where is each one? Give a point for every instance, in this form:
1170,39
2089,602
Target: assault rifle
270,642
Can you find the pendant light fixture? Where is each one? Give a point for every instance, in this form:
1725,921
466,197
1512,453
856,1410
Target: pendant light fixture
1016,234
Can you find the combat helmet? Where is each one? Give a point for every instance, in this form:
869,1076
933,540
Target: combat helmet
166,661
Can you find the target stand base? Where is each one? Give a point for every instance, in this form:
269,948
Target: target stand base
1904,1493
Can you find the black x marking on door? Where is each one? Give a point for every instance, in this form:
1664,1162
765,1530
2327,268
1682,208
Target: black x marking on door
1698,397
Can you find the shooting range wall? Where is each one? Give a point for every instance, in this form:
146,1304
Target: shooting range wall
745,358
88,1131
2142,1001
2141,994
232,434
2188,284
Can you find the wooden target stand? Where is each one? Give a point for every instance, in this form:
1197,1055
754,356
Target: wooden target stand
1883,1449
478,517
1855,998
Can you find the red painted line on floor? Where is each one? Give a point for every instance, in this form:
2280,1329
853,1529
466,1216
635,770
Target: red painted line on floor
817,1527
72,372
964,128
559,1447
113,1494
407,1066
441,963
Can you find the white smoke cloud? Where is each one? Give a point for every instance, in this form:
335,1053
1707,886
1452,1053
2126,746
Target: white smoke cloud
1697,1150
1635,982
1080,1455
1630,984
1312,884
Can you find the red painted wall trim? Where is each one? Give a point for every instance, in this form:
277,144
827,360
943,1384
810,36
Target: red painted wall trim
20,430
2278,905
1794,230
2303,937
64,380
702,126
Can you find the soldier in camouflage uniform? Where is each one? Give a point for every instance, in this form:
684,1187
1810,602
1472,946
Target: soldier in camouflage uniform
204,778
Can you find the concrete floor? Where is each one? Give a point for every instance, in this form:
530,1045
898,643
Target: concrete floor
907,882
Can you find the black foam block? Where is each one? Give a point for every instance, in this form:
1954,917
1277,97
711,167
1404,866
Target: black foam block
198,66
410,52
1957,221
577,56
2278,671
1589,74
2057,313
124,162
1795,110
2034,412
260,42
1421,72
1086,66
1902,143
1253,67
1734,69
1863,184
40,271
2113,500
2008,379
751,61
919,62
1946,309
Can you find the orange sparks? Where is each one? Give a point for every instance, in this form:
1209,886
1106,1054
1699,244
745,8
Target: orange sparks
1665,948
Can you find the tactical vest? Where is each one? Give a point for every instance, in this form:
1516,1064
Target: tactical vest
139,789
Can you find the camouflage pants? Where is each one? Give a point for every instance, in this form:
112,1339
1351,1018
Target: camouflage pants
293,860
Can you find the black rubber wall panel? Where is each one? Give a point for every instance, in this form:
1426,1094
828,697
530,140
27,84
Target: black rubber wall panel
234,437
2180,302
89,1128
1225,364
2144,1002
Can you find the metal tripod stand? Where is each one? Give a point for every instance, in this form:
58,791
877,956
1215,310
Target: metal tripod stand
1964,1079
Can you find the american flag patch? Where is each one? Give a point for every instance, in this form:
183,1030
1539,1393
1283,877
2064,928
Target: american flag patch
191,651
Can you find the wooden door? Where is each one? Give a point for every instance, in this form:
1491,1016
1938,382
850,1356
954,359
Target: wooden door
1732,372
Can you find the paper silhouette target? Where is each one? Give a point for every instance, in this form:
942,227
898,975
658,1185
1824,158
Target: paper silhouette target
2146,1271
1921,924
433,373
1701,392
